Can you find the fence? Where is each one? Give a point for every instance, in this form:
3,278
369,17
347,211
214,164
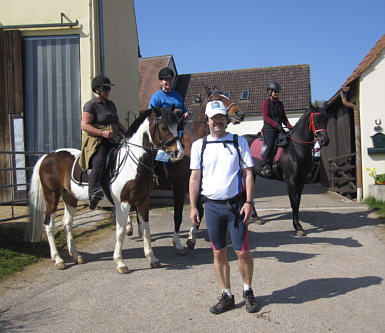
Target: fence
15,172
342,174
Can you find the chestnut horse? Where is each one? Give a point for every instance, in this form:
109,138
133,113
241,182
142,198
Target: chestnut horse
296,160
154,129
176,176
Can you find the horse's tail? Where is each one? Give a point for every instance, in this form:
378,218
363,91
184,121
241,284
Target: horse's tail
34,231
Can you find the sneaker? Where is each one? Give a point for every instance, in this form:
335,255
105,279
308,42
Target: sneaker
95,198
251,304
224,304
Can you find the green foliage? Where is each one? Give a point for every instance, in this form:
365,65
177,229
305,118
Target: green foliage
379,206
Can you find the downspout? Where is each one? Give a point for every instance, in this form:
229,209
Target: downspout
357,130
101,36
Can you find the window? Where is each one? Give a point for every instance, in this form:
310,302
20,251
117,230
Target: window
245,94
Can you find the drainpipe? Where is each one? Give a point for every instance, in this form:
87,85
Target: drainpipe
357,131
101,36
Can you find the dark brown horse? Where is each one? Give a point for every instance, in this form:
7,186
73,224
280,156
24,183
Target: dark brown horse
296,160
176,176
51,180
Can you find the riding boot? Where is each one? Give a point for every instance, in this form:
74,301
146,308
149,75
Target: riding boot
95,197
266,171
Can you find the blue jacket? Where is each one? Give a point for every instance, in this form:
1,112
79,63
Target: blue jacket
166,99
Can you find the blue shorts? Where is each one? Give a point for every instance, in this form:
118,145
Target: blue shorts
218,219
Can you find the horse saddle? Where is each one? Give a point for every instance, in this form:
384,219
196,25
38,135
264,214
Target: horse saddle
80,177
258,149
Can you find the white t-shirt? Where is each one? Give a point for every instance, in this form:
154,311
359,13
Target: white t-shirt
221,174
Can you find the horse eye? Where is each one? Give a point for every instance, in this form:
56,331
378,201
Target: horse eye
164,128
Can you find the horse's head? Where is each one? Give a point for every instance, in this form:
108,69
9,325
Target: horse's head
164,133
318,124
234,112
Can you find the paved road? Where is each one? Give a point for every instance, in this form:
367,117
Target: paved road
332,280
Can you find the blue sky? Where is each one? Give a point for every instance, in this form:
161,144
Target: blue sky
333,36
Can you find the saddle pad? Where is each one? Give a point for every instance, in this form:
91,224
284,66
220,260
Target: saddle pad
77,174
256,150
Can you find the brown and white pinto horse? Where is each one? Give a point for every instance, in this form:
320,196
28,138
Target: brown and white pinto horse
296,160
176,177
155,129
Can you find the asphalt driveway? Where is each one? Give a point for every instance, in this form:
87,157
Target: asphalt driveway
332,280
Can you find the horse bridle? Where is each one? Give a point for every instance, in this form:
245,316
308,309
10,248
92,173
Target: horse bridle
311,129
163,144
153,148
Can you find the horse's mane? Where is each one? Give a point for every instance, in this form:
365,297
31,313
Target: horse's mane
300,120
170,118
137,122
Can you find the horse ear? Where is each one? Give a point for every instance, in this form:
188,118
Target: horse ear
157,111
207,90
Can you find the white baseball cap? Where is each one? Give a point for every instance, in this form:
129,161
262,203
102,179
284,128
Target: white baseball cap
215,107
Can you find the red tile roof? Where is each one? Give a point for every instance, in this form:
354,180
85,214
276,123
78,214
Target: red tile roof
368,60
294,81
148,77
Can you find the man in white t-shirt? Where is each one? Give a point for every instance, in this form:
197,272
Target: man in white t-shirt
225,171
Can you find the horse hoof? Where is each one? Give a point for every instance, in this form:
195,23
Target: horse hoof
129,233
155,264
190,244
79,261
300,233
123,270
180,252
60,265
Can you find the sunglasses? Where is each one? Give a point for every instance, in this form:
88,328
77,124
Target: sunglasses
106,88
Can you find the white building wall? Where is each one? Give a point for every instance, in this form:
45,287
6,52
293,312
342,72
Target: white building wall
372,107
254,124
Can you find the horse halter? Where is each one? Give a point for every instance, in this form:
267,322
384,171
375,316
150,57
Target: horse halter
163,144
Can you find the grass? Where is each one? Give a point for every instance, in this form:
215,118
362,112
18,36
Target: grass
378,206
15,253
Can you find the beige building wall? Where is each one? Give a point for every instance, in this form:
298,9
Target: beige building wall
121,56
120,40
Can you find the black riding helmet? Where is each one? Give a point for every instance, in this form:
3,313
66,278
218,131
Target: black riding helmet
165,73
100,81
273,86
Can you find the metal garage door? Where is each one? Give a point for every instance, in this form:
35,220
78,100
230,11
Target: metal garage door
51,92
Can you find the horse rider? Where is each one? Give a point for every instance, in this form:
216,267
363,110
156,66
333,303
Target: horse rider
166,96
223,171
100,133
274,116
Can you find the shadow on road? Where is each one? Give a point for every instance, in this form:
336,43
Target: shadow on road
315,289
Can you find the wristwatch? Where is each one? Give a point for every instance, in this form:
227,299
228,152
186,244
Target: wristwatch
249,202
